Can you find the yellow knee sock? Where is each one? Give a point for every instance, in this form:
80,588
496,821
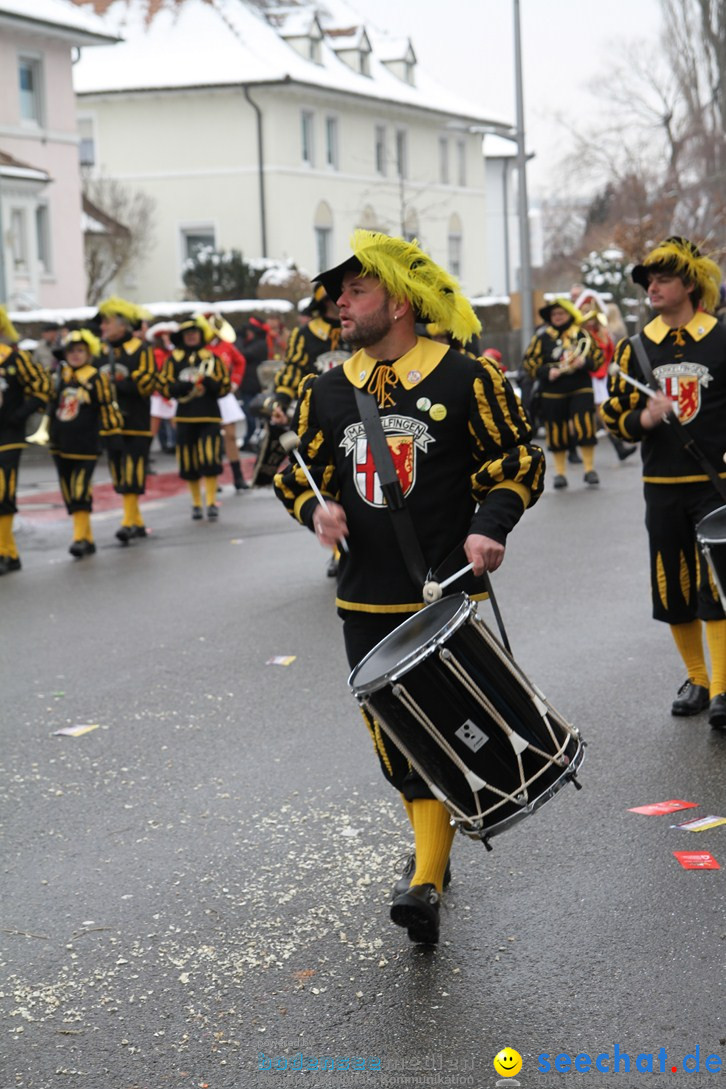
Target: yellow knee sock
588,457
560,460
196,489
210,490
6,534
78,525
689,640
408,806
128,516
716,639
433,835
86,525
136,511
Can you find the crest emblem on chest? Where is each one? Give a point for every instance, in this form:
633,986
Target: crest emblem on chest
682,382
406,438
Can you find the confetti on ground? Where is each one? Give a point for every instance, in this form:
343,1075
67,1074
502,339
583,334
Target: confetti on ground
700,824
76,731
696,860
281,659
659,809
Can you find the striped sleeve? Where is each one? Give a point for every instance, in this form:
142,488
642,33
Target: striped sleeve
508,470
34,379
291,485
144,372
111,419
289,377
621,411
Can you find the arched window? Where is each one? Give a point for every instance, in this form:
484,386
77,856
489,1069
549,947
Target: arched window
368,218
323,227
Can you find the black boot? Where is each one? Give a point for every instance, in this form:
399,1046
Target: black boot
622,449
240,484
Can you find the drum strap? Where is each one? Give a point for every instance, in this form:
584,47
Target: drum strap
687,442
401,519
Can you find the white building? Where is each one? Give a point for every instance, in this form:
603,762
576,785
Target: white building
278,135
41,258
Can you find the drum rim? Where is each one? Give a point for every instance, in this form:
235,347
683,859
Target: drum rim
466,607
714,516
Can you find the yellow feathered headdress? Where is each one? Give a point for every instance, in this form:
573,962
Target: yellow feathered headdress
197,321
122,308
84,336
7,329
406,272
679,257
563,303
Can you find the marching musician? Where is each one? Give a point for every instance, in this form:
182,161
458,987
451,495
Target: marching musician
81,410
196,378
467,467
561,358
223,345
24,387
686,348
129,363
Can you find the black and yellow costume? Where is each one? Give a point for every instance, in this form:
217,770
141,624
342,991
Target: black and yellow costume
689,364
82,411
567,402
462,448
305,346
196,378
24,388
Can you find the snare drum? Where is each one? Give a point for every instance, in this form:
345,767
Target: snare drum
711,536
485,740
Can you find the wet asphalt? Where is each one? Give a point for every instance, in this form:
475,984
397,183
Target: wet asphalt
195,892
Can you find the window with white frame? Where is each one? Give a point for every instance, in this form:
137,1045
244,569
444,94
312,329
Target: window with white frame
196,239
87,141
461,162
380,145
323,227
401,153
444,160
42,236
331,142
30,87
19,239
307,122
455,245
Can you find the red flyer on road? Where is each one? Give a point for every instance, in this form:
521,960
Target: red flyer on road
658,809
697,860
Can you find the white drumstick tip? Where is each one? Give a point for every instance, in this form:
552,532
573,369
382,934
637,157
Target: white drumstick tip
289,441
431,592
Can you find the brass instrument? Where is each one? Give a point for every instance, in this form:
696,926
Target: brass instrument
41,437
195,375
574,353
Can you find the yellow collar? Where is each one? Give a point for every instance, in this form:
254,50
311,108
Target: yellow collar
81,374
411,368
697,328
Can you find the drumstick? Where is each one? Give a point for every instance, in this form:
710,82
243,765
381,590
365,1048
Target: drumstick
432,591
615,369
289,442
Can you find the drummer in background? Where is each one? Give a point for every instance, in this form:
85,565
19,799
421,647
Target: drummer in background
686,347
129,361
24,387
463,440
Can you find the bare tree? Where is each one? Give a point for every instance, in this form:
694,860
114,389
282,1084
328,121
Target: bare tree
120,232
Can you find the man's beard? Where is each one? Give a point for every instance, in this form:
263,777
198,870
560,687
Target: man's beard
370,329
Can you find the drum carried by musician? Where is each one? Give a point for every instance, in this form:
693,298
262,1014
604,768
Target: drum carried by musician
416,459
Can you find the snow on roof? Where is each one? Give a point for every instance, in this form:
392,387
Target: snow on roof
240,47
10,167
161,309
86,27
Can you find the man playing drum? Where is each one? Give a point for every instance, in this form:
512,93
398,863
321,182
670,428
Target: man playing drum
463,454
686,349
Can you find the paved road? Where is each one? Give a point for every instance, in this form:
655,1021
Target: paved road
199,886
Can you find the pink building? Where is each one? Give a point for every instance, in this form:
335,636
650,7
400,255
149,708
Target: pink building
41,256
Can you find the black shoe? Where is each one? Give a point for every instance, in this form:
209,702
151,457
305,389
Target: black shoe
332,569
197,514
79,549
691,699
407,873
417,910
623,449
12,563
574,458
560,481
717,712
4,565
212,512
139,531
591,478
241,486
124,534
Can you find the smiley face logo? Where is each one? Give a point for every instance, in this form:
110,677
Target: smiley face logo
508,1062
